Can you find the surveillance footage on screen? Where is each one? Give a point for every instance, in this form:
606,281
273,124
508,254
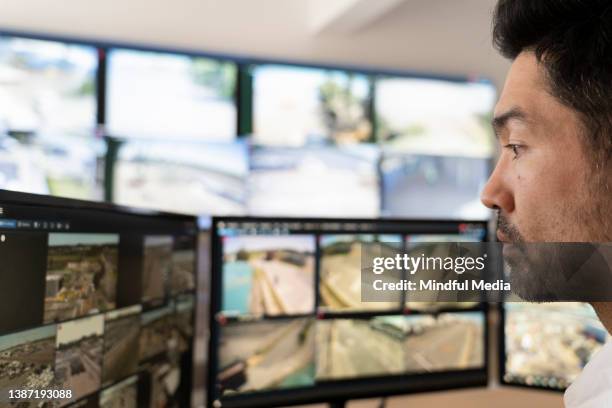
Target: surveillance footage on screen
269,275
81,275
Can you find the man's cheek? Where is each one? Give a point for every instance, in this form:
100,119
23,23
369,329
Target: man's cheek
531,208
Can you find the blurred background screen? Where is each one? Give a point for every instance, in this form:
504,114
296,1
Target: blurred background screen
314,180
190,177
48,108
170,95
294,106
208,135
437,142
548,345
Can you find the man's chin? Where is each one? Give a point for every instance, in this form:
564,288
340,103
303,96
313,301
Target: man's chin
527,281
528,291
513,254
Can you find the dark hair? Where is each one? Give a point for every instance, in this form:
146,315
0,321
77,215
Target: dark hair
572,39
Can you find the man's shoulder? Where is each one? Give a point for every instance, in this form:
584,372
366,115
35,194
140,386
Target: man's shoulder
593,387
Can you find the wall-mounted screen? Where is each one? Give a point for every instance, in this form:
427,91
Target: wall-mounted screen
314,181
438,145
172,96
188,177
293,106
48,103
47,86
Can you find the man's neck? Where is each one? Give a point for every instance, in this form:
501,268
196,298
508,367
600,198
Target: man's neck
604,312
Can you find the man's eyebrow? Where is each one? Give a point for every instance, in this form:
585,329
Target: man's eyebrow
500,120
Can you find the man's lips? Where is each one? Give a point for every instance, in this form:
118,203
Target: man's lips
501,237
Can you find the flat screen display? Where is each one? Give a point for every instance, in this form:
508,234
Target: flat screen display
438,144
287,315
548,345
48,101
106,302
172,96
294,106
314,181
186,177
47,86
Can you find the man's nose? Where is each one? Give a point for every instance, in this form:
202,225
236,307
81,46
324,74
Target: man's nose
497,194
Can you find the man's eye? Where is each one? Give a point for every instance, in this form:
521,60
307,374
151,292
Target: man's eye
515,149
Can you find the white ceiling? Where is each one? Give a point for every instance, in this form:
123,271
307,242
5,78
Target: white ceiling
431,36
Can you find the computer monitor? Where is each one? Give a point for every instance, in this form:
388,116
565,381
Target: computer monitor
288,325
96,299
547,345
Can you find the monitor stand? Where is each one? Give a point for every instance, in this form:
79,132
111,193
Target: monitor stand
342,403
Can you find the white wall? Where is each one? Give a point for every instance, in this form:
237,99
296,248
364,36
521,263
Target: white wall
439,36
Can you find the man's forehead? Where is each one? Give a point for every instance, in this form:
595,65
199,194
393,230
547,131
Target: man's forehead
527,97
525,85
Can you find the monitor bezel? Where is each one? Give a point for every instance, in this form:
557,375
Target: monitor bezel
28,199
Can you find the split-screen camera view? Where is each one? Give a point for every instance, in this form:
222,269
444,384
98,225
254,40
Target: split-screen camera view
283,353
280,275
291,315
111,347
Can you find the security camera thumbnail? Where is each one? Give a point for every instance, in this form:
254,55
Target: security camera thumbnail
268,274
81,275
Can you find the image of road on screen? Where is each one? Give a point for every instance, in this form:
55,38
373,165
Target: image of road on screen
260,355
268,275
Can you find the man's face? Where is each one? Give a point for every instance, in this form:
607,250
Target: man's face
542,184
543,187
